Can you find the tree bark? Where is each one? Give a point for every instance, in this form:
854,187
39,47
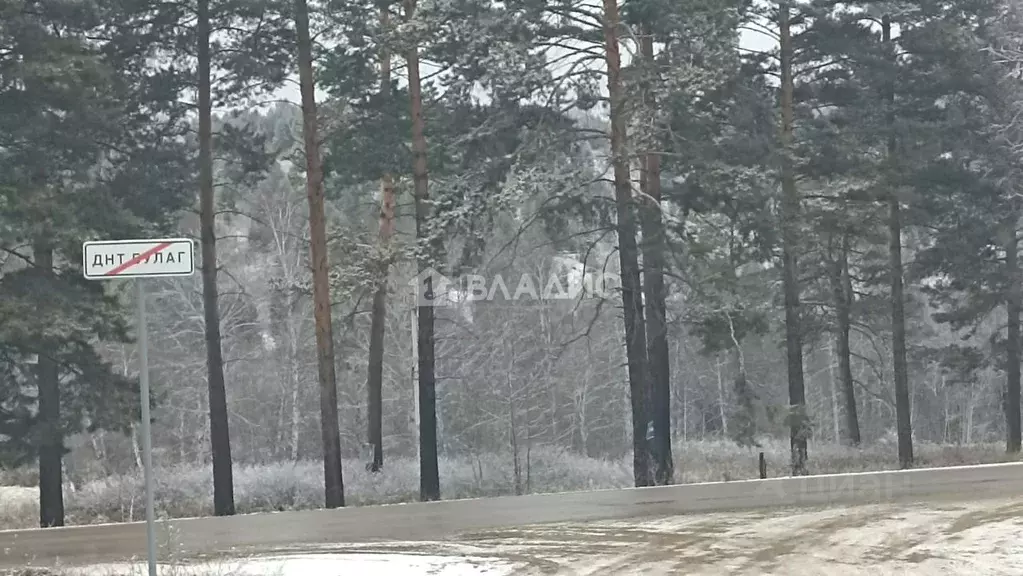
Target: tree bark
379,314
746,426
51,433
513,429
136,450
653,276
722,401
1012,368
836,427
220,436
845,352
841,291
635,336
798,424
901,372
429,473
333,482
296,414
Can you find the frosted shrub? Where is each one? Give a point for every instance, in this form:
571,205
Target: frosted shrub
278,486
186,490
397,482
19,507
112,499
716,460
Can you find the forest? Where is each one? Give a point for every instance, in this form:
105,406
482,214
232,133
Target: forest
811,208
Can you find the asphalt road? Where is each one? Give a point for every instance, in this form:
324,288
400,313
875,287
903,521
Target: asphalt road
265,533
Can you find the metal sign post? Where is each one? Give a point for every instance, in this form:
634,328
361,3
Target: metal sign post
141,259
147,436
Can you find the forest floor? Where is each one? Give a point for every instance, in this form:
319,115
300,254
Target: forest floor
186,490
980,538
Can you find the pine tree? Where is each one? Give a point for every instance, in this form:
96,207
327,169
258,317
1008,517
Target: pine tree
376,345
972,208
117,173
333,480
791,222
635,325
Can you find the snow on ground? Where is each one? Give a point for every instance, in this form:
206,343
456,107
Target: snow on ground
324,564
983,538
980,538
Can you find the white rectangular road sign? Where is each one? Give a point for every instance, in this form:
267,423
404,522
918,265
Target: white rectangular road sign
139,259
107,259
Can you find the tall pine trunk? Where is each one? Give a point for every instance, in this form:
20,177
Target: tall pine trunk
375,381
333,482
841,287
745,421
902,407
51,434
1012,367
798,418
429,474
635,336
744,428
653,277
220,436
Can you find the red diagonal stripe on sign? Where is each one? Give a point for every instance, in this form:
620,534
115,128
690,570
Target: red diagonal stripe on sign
140,258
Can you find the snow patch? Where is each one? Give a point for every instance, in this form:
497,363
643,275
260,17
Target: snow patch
324,565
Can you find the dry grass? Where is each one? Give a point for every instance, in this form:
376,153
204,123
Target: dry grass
185,491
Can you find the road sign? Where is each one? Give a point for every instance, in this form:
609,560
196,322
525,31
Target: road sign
138,258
